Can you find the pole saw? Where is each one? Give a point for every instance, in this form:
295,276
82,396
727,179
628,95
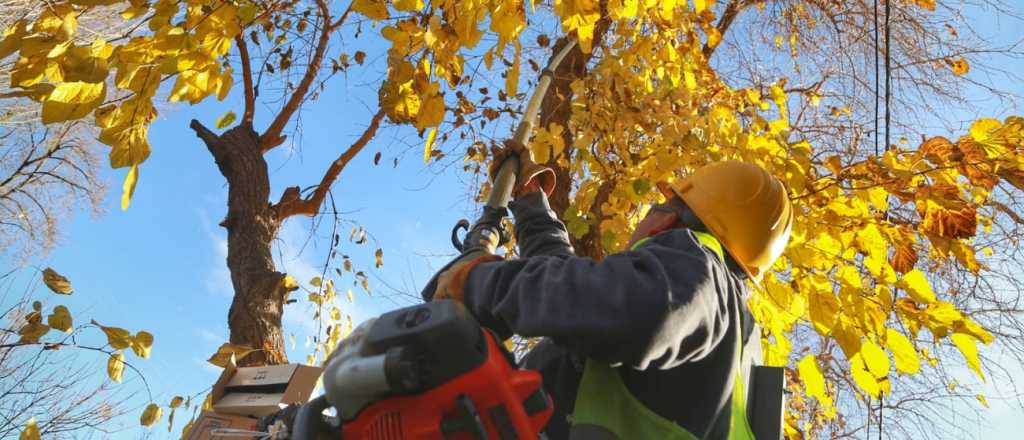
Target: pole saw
431,371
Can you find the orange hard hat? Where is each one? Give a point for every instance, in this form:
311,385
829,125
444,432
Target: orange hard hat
746,209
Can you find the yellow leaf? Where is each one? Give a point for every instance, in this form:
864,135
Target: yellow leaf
864,379
315,282
226,119
128,187
56,282
227,351
917,286
12,36
981,398
959,66
926,4
31,431
33,330
903,352
151,414
176,401
118,338
115,366
428,147
142,343
289,284
335,314
875,358
73,100
380,257
700,5
982,129
60,319
408,5
350,298
968,346
813,380
372,9
512,75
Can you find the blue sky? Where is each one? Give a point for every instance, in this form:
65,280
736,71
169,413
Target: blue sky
160,265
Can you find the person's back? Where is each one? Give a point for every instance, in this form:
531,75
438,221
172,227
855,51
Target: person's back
646,343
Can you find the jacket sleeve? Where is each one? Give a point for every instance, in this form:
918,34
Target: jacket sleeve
538,231
659,306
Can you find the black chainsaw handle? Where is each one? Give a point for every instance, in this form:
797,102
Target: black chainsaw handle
309,423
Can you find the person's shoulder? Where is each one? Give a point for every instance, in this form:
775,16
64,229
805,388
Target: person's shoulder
679,238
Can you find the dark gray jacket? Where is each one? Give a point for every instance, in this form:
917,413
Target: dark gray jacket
668,311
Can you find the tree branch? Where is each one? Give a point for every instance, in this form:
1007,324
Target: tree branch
728,16
272,136
213,144
292,204
250,96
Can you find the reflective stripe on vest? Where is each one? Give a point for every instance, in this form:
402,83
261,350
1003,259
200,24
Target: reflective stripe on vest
606,409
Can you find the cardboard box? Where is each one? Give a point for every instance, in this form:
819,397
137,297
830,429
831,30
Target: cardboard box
261,391
204,426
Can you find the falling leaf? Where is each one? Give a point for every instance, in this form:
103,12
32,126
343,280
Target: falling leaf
31,431
226,351
115,366
226,119
359,56
151,415
380,257
56,282
128,187
428,146
176,401
315,281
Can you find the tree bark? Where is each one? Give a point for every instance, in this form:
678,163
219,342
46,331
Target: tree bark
255,315
555,109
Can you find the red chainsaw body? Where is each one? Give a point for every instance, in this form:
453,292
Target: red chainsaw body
493,400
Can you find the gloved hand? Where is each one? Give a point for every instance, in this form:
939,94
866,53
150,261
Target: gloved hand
451,284
529,175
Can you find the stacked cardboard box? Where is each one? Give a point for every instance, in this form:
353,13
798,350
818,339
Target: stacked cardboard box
242,395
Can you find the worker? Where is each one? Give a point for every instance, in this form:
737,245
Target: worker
647,343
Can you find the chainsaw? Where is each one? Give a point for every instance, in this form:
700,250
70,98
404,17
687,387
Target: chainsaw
430,371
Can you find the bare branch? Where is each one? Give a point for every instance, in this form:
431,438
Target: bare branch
291,204
272,136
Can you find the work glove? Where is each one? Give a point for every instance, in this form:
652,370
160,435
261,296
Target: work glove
529,175
451,284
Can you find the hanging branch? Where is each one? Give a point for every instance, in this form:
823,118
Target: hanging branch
292,204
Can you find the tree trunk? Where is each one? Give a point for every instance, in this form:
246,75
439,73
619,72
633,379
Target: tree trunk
255,315
555,109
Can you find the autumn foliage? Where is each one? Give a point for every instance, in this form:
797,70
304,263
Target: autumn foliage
870,230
